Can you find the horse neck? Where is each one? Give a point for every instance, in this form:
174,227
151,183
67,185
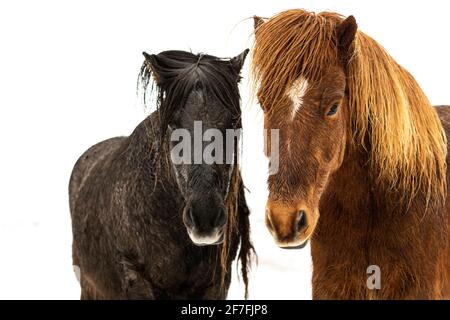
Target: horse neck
366,205
350,187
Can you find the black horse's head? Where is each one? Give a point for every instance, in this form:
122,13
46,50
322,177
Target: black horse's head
200,118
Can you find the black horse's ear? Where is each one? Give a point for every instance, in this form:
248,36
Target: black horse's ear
257,22
152,63
238,61
346,32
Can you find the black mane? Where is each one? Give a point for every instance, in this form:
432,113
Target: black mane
179,72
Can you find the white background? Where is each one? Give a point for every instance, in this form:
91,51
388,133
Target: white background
68,73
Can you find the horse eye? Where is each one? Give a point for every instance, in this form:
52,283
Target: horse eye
332,110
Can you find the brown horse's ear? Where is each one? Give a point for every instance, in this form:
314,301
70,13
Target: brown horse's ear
238,61
346,33
152,63
257,22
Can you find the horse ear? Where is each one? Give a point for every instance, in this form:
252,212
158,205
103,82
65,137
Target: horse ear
238,61
152,63
346,32
257,22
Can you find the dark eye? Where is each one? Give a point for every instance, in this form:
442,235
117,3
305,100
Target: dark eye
333,109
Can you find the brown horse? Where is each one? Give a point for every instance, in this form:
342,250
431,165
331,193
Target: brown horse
361,145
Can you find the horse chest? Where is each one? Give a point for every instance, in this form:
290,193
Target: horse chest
176,267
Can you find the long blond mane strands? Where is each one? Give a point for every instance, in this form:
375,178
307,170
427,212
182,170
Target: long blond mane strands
408,146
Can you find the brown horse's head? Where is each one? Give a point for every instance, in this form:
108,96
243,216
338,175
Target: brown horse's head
302,90
333,92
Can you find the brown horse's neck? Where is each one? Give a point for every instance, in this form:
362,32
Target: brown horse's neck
356,209
356,200
348,199
362,224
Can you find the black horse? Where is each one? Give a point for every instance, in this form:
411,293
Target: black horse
148,227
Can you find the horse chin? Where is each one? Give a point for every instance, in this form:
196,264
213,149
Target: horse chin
293,244
300,246
216,237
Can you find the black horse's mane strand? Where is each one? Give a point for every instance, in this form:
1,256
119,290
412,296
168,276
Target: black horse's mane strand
178,73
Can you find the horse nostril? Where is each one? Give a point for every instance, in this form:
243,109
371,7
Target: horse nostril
301,224
190,215
221,219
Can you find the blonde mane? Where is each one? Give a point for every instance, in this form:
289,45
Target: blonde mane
389,116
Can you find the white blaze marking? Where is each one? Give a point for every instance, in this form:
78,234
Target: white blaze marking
296,93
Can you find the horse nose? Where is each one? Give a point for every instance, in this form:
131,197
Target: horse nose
204,217
221,219
205,223
288,224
